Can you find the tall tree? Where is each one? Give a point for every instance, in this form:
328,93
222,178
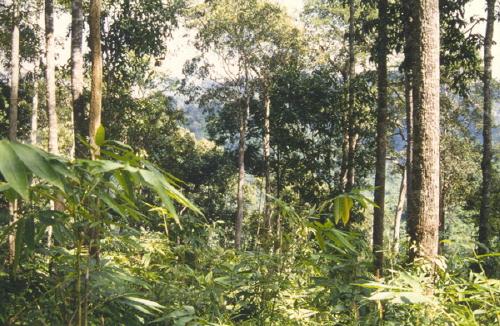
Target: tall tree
380,165
14,71
251,53
486,163
96,79
13,103
50,72
77,73
423,203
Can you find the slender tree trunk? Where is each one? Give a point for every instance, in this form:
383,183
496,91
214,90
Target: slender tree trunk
95,105
380,165
423,204
351,130
35,104
14,72
267,150
399,213
486,165
96,83
50,73
243,121
79,120
14,99
410,27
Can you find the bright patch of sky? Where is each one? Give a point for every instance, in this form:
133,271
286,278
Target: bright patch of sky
181,48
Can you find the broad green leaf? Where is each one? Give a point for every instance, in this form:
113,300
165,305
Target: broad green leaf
183,321
415,285
4,186
100,136
148,303
321,240
383,296
409,298
13,170
38,164
342,208
189,309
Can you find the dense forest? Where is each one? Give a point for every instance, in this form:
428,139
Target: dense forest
336,166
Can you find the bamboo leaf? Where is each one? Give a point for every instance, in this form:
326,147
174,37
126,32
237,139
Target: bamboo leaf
13,169
100,136
38,164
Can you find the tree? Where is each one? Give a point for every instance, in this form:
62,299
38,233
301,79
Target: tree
251,53
50,73
380,167
13,103
77,73
423,201
486,163
96,79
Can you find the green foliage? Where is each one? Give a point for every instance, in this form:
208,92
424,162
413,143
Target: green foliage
93,194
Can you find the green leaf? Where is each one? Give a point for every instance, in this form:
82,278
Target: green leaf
342,208
321,240
183,321
100,136
415,285
13,170
38,164
409,298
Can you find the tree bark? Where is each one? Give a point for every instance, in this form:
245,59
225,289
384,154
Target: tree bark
380,165
351,131
96,82
486,164
13,114
267,151
410,50
95,104
243,121
399,213
50,73
423,201
14,72
35,104
79,119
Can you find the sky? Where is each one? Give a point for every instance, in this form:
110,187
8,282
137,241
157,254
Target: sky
181,51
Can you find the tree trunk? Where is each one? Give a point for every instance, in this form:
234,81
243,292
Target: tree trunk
410,50
79,120
14,72
35,105
380,165
423,204
95,104
96,82
399,213
50,73
351,131
266,151
243,120
14,99
486,165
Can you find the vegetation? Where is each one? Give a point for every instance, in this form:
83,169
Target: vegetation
228,195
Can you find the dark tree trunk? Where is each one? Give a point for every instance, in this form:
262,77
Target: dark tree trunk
79,118
379,196
486,165
50,73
